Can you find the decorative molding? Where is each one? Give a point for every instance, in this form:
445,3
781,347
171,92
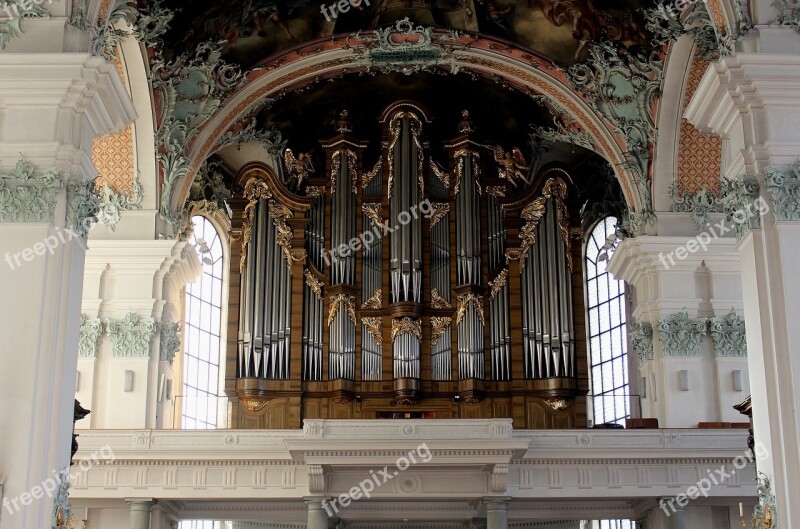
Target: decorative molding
737,197
405,48
406,326
153,22
132,336
728,334
788,13
641,333
89,341
498,283
784,189
438,302
462,303
314,284
558,404
681,335
367,177
170,342
316,479
496,191
83,206
498,481
439,325
272,140
107,36
438,212
375,301
374,326
374,211
766,509
188,90
699,205
352,168
28,194
111,203
349,306
534,212
441,174
10,27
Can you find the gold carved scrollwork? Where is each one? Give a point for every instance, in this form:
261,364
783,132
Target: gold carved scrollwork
439,210
460,155
374,326
406,326
314,284
497,191
498,283
416,131
253,404
352,167
438,327
440,173
462,303
315,191
349,305
534,212
374,301
374,211
367,177
254,190
438,302
558,404
279,213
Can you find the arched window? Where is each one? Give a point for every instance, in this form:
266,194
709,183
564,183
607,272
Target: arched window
608,342
202,408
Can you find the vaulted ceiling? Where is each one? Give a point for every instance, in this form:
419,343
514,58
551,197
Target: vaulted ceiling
256,30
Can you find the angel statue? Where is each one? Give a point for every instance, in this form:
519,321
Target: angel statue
512,166
298,168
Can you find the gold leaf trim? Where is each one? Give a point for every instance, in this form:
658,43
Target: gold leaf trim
439,325
374,326
439,210
349,305
463,302
374,301
406,326
498,283
437,301
314,284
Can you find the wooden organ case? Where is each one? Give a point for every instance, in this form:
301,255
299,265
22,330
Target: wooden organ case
407,287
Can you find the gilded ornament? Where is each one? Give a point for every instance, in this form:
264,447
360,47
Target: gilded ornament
406,326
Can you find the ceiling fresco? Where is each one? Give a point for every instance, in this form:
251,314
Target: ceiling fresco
255,30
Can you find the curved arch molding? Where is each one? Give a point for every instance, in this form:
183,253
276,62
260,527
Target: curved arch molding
449,51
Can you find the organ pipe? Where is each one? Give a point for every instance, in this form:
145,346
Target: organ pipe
547,326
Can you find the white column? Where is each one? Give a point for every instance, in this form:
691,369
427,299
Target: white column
752,101
496,512
53,105
140,513
670,275
318,518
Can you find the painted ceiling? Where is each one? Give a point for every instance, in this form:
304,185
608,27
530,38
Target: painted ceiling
255,30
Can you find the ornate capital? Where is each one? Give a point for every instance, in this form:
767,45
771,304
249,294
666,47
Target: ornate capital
112,202
784,189
698,205
641,339
681,335
83,205
131,336
90,333
737,197
28,194
170,343
729,336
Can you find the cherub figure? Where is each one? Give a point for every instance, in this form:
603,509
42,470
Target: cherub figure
300,167
512,166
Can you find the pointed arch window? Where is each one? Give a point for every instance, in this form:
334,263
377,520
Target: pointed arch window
202,409
608,341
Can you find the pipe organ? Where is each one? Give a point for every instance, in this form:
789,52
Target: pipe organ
409,275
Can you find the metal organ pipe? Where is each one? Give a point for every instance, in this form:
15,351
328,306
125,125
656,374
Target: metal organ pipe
548,332
266,302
